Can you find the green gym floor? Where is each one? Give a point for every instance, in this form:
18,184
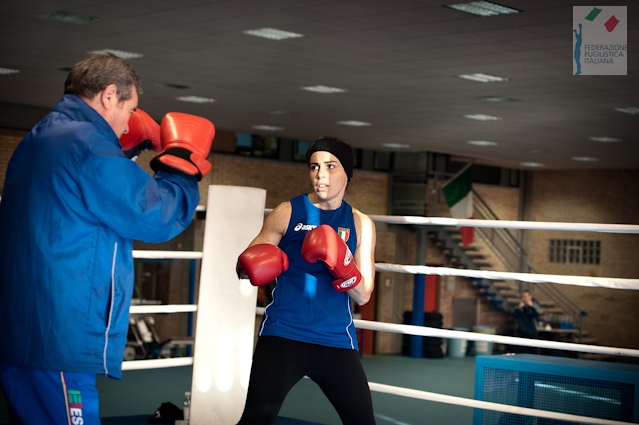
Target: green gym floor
134,399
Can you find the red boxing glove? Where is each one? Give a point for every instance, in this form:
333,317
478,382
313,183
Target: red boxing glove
262,263
186,140
323,243
143,134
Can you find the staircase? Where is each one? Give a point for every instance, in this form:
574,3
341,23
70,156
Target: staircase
492,250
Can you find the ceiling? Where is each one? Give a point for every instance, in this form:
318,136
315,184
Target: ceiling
397,61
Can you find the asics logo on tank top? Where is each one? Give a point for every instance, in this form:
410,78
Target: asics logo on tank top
302,226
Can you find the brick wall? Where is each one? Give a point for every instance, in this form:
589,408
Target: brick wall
8,142
593,197
368,191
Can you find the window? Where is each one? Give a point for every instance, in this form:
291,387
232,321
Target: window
574,251
381,161
299,150
255,145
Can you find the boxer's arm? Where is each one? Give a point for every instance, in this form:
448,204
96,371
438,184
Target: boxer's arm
364,257
275,225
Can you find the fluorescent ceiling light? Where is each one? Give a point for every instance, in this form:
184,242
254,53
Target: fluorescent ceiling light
483,8
605,139
273,34
265,127
632,110
483,78
532,164
70,17
195,99
482,143
323,89
119,53
584,159
396,145
354,123
482,117
7,71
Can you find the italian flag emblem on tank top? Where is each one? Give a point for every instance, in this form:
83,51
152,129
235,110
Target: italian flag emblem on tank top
344,233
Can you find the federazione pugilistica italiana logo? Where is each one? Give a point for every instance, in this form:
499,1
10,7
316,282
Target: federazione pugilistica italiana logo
600,40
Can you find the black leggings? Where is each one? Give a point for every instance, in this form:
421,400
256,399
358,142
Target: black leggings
278,364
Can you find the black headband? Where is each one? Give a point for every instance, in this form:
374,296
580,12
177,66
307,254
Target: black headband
337,147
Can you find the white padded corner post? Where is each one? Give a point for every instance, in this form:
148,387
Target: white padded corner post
225,324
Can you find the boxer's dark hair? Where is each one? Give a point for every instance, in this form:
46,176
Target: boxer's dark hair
337,147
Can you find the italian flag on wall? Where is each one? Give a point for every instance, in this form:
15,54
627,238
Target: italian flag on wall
458,192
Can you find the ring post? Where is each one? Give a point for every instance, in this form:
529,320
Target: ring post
419,290
225,322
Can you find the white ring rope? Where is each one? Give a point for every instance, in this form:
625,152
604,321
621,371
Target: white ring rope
476,336
460,401
157,363
164,308
506,224
604,282
435,332
426,331
502,224
403,392
429,396
178,255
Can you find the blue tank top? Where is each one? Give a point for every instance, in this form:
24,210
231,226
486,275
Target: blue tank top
304,306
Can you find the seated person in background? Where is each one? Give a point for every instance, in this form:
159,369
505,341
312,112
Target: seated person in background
526,315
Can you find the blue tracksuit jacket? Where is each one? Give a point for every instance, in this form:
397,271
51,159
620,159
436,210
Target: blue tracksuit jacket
71,206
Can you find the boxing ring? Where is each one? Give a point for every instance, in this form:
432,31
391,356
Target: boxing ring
226,308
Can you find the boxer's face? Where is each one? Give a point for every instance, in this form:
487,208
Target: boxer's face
327,175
